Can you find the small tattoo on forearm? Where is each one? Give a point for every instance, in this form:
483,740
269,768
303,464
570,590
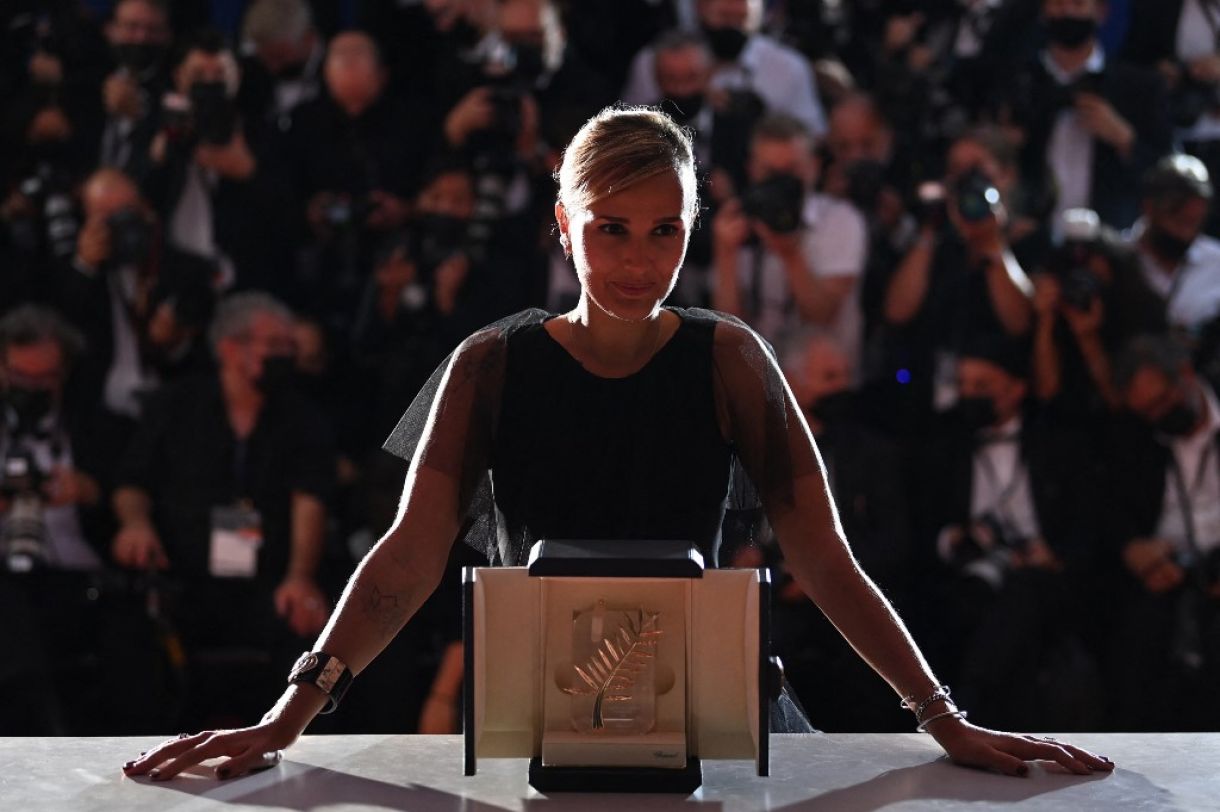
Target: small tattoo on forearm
385,609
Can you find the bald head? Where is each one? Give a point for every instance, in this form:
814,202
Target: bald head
107,191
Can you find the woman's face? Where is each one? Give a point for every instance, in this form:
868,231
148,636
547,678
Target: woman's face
628,246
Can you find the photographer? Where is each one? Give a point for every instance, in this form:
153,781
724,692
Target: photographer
745,60
281,65
140,36
352,157
1012,517
201,181
54,454
1179,262
1090,298
225,484
1091,124
1165,514
786,256
961,277
1178,39
141,303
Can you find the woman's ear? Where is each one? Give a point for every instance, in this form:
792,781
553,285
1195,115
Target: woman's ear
561,217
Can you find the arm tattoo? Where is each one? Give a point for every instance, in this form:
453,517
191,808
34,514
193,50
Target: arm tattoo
386,609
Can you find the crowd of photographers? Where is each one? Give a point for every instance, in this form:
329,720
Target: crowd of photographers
235,239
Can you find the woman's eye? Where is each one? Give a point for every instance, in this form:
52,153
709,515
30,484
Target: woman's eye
665,230
612,228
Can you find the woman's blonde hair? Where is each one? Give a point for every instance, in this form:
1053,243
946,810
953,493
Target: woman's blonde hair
618,148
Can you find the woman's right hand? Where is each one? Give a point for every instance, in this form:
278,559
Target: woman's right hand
246,749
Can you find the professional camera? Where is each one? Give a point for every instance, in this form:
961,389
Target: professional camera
206,115
55,222
130,237
985,550
1069,262
975,197
23,544
777,201
342,212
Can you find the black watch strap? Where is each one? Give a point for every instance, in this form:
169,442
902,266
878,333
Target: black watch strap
327,673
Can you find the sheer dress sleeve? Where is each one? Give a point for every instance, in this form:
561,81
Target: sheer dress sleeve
450,426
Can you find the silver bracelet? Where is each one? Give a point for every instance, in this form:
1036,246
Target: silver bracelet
922,727
908,703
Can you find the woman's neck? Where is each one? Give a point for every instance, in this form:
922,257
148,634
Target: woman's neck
608,343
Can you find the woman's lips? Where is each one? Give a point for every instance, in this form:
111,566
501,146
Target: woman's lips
631,290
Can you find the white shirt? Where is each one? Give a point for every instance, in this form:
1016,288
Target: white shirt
66,546
1069,152
835,242
1000,485
777,73
1192,292
1195,457
1196,37
126,378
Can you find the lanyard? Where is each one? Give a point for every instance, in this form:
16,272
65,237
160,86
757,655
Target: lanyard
1186,498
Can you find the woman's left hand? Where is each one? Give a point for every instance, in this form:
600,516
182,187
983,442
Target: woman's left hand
973,746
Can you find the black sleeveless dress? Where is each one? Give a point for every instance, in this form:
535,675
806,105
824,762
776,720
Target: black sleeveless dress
579,456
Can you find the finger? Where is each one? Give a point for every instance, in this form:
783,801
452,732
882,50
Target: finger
216,744
166,750
1092,760
251,759
1048,751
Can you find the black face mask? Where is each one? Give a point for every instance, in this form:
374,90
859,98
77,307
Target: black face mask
683,109
726,43
29,406
55,153
835,408
290,72
1180,420
977,413
1169,246
139,57
279,374
530,62
1070,32
439,236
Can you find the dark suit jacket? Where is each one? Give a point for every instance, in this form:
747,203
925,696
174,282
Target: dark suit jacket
1135,93
1153,33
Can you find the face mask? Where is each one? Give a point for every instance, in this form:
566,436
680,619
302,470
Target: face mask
55,153
29,406
1070,32
530,63
139,57
726,43
288,73
440,236
1169,246
977,413
834,408
683,109
279,374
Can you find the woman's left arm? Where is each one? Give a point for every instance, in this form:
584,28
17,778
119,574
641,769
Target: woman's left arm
761,419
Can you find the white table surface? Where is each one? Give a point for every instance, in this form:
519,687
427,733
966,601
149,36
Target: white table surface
839,772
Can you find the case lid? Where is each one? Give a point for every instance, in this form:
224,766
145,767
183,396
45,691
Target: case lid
617,558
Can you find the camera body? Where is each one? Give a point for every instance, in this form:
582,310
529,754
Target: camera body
130,237
1069,262
56,222
778,202
23,544
985,550
975,197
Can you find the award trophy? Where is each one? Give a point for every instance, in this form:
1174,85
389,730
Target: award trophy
616,666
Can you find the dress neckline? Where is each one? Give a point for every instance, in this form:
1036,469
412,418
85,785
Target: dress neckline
682,322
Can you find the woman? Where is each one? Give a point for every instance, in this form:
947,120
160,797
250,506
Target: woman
620,417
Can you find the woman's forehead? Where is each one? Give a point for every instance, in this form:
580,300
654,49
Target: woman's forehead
661,195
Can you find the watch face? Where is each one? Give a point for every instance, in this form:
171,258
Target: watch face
307,663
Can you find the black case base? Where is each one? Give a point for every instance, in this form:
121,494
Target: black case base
616,779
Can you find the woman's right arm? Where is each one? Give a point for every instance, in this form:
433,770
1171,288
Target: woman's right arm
388,587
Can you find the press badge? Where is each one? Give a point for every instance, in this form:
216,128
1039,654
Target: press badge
237,534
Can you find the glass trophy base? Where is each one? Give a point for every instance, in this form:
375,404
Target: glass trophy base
616,779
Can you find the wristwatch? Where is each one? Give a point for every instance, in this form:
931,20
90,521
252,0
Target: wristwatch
327,673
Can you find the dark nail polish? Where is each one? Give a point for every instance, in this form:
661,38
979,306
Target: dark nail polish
1023,770
223,772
